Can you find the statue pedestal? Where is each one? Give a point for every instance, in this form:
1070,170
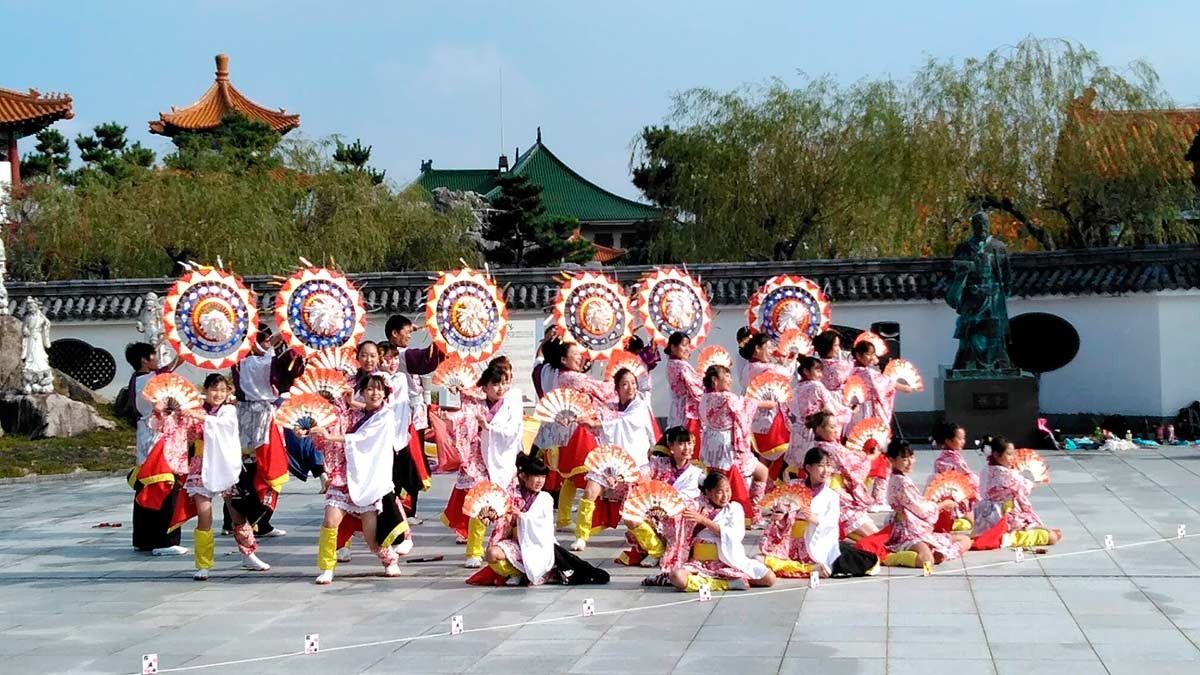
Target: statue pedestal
994,403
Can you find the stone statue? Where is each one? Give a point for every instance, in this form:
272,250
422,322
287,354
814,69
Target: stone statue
3,273
36,377
979,293
150,322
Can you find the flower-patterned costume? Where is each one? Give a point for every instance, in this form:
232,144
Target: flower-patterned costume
532,510
686,480
952,460
914,520
725,420
835,372
687,386
848,478
881,396
697,550
1004,494
808,397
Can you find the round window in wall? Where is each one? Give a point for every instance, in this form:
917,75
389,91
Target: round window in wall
93,367
1039,342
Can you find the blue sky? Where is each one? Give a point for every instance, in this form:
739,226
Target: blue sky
419,80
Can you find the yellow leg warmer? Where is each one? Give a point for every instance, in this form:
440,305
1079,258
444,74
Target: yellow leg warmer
648,539
504,568
327,549
901,559
583,519
695,581
1024,538
476,528
961,525
204,549
785,566
566,499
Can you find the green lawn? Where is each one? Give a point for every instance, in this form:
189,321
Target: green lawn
94,451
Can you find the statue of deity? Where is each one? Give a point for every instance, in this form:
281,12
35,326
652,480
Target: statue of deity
36,377
150,322
979,293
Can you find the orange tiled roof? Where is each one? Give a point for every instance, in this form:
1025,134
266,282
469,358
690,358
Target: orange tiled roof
221,99
1110,136
30,113
603,254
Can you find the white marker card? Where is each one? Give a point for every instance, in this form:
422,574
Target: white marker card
814,579
589,607
705,593
149,664
1019,554
1108,542
1181,531
456,624
312,643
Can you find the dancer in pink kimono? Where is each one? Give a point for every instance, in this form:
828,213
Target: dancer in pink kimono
810,396
648,540
686,385
725,419
951,439
915,516
1004,495
758,349
835,368
849,476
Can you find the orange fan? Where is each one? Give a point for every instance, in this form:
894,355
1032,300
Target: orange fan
563,406
866,431
454,372
786,499
341,359
652,500
904,371
305,411
952,485
713,355
854,389
623,359
323,382
173,390
613,464
1030,462
770,387
484,499
794,343
881,348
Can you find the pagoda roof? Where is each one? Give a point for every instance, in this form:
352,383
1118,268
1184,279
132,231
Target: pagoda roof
1112,137
565,193
31,112
221,99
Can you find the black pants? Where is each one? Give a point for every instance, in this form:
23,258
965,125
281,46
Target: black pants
150,526
245,499
406,477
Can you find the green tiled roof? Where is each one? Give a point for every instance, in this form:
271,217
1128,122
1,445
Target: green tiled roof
564,192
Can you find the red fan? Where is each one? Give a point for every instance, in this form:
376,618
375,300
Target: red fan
652,500
623,359
323,382
613,464
952,485
770,387
341,359
563,406
904,371
173,390
1030,462
794,343
713,355
484,499
881,348
854,389
454,372
866,431
306,411
786,499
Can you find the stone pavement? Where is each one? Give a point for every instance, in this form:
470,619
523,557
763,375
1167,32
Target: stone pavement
78,599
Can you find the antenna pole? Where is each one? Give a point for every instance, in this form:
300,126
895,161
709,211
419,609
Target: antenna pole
501,69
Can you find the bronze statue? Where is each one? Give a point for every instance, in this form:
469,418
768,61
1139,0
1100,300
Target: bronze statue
979,293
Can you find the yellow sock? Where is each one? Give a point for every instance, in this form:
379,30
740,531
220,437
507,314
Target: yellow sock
648,539
327,549
1024,538
583,519
962,525
504,568
785,566
695,581
901,559
566,499
204,549
476,528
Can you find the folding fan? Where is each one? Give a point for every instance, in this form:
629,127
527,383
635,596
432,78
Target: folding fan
652,500
713,355
881,348
321,381
623,359
454,372
794,343
867,430
305,411
613,464
485,496
786,499
770,387
173,390
904,371
854,390
1030,462
563,406
952,485
341,359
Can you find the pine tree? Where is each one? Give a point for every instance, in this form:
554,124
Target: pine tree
354,158
52,156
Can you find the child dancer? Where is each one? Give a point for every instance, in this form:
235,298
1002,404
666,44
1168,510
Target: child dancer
952,439
254,386
758,350
725,439
647,540
881,401
835,369
915,516
152,530
1004,495
709,549
686,385
849,474
411,471
810,396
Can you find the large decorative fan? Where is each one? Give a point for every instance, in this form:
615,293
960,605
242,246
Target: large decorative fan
952,485
623,359
209,317
318,308
794,343
880,345
868,430
770,387
854,390
904,371
173,390
652,500
323,382
341,359
466,315
593,311
455,372
786,499
713,355
563,406
671,301
305,411
613,464
485,499
789,301
1030,462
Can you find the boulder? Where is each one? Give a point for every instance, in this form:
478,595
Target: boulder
10,366
48,415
